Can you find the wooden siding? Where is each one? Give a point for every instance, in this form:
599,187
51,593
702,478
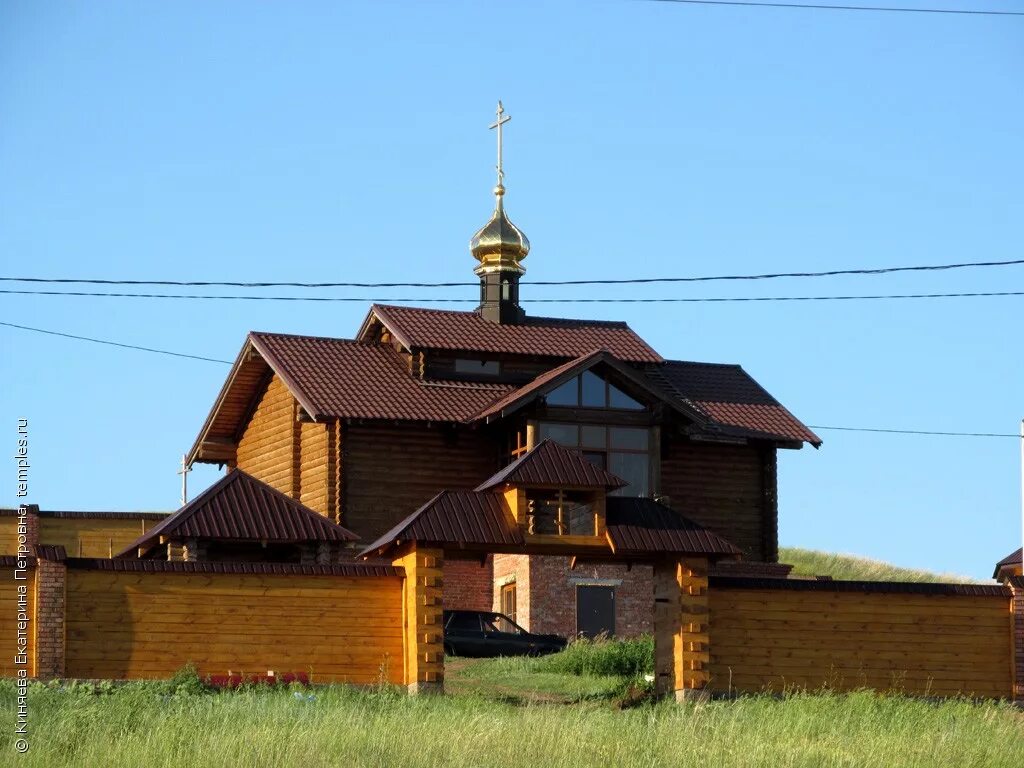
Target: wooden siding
148,625
390,471
9,620
269,447
316,460
91,537
919,644
722,487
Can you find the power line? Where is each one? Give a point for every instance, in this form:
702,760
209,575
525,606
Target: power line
228,362
821,7
115,343
609,281
435,300
918,432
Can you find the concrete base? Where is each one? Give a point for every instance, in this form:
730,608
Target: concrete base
417,689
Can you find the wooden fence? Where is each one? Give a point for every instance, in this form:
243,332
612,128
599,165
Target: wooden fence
923,639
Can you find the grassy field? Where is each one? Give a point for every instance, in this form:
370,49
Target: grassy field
507,712
812,562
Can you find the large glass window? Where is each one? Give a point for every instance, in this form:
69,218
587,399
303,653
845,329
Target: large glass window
588,390
623,451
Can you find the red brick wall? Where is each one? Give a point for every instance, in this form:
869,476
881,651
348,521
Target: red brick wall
50,591
513,568
549,597
467,584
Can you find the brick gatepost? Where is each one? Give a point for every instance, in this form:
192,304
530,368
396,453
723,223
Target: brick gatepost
50,588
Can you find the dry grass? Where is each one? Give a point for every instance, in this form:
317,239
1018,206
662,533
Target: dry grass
812,562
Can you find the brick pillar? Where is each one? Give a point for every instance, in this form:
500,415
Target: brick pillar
51,576
30,528
1016,585
423,610
681,632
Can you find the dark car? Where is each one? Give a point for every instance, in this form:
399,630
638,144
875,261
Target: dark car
481,633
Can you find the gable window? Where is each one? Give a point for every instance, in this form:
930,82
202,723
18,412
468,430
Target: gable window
588,390
623,451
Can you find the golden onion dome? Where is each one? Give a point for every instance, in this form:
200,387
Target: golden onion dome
499,245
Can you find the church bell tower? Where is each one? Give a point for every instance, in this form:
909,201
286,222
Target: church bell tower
500,247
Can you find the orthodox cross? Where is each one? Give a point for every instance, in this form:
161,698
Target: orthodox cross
502,119
184,479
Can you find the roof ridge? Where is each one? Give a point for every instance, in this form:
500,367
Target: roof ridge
307,336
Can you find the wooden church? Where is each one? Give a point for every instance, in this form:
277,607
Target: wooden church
424,409
559,471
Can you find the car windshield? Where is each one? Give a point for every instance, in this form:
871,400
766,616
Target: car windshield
498,623
463,622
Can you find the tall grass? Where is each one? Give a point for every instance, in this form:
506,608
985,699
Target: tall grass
135,725
626,658
812,562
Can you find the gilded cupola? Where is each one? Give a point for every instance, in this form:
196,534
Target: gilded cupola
499,244
500,247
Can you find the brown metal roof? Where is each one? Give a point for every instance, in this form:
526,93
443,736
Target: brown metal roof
1014,558
419,328
165,566
731,398
549,464
751,569
241,508
644,526
877,587
339,378
624,375
454,517
89,514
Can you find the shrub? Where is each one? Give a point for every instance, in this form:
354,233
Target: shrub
625,658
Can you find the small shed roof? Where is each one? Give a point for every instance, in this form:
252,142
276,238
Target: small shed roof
1014,558
239,507
454,517
549,464
645,526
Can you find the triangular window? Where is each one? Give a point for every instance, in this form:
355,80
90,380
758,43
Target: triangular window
588,390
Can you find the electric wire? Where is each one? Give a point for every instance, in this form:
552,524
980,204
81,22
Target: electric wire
228,362
569,300
459,284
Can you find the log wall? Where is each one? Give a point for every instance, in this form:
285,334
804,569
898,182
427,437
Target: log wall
139,624
390,471
269,447
724,488
85,536
918,639
9,619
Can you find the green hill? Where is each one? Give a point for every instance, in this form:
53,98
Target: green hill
812,562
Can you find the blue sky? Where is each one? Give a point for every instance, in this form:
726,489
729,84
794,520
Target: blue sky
326,141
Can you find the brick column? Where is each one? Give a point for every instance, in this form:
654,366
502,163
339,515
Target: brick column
51,576
29,529
423,610
681,632
1016,585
